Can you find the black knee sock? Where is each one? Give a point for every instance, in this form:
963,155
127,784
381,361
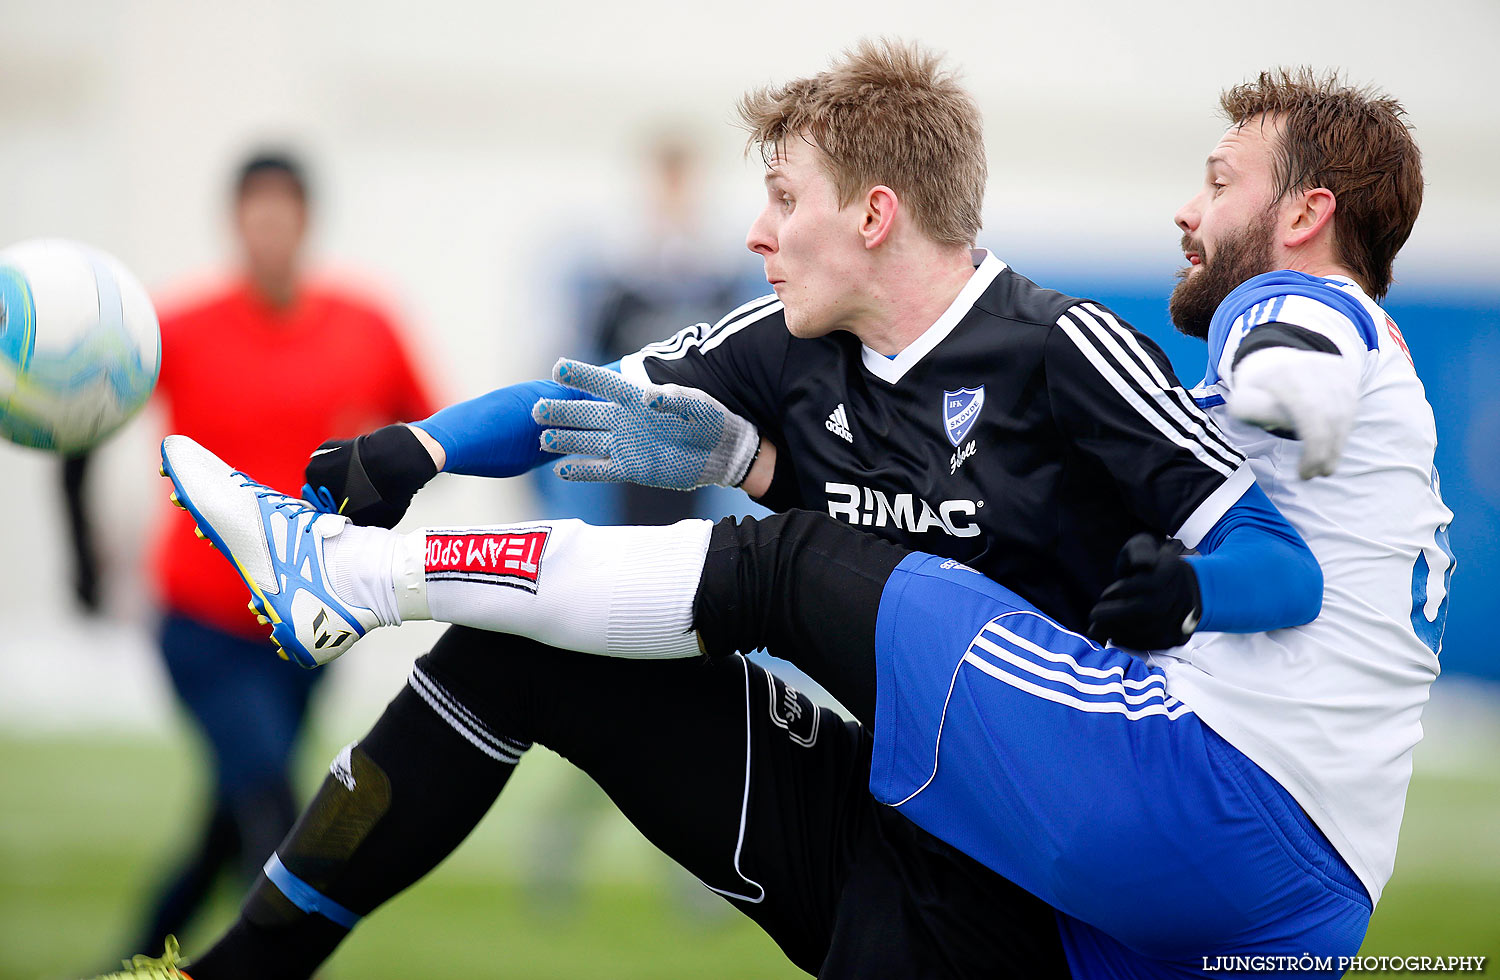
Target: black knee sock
394,806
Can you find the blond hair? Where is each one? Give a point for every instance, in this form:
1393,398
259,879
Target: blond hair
885,114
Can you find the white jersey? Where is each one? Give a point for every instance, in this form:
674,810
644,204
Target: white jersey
1332,710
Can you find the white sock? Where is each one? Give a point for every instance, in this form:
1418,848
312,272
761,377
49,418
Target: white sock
360,561
613,591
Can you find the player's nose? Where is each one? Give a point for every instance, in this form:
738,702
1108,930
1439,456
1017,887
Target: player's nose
761,238
1188,216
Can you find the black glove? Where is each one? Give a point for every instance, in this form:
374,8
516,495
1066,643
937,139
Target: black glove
1154,602
371,479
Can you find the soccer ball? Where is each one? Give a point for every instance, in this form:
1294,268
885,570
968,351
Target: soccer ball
80,350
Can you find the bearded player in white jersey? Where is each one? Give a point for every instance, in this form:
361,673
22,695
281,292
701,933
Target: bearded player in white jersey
1239,795
1324,187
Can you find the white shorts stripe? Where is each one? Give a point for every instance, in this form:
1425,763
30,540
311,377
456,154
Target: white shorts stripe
1157,693
937,745
1062,658
1132,706
1169,711
759,894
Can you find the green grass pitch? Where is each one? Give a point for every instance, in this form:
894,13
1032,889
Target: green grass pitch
86,821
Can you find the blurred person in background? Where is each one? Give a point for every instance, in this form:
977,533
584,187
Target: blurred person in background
341,369
671,274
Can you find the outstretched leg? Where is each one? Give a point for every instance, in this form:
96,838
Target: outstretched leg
729,771
671,742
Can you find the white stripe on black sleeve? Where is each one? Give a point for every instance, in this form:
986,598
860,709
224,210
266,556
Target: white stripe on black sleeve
699,335
746,309
1196,422
706,337
1154,404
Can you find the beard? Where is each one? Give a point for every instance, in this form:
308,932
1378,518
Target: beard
1238,258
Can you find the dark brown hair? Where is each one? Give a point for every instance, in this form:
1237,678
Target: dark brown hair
1353,141
278,163
885,114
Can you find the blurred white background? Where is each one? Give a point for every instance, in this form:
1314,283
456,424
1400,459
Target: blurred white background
464,153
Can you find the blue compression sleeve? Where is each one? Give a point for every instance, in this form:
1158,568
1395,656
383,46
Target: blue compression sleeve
494,434
1255,572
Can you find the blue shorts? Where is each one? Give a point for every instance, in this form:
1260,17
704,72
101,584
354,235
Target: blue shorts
1067,768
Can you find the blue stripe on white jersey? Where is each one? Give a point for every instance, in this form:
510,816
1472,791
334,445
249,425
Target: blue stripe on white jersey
1260,301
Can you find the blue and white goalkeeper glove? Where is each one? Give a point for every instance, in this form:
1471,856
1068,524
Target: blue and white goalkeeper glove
1305,394
655,435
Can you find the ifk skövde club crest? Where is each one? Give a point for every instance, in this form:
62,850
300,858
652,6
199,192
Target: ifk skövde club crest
960,409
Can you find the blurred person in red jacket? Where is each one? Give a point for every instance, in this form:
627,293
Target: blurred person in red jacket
340,369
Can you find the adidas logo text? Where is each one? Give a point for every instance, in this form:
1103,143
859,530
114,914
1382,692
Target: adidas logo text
838,424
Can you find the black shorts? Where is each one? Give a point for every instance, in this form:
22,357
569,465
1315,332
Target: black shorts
763,796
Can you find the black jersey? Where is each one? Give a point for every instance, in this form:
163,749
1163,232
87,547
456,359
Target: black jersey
1027,433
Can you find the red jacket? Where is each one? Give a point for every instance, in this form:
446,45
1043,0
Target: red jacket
261,388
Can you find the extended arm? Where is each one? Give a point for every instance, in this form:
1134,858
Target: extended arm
372,479
1253,573
657,435
699,429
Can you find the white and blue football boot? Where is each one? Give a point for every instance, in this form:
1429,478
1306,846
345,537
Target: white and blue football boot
275,542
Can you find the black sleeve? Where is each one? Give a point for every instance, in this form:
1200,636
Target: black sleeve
1115,398
785,492
803,586
738,360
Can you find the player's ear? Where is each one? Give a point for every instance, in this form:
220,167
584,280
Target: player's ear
881,205
1311,213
